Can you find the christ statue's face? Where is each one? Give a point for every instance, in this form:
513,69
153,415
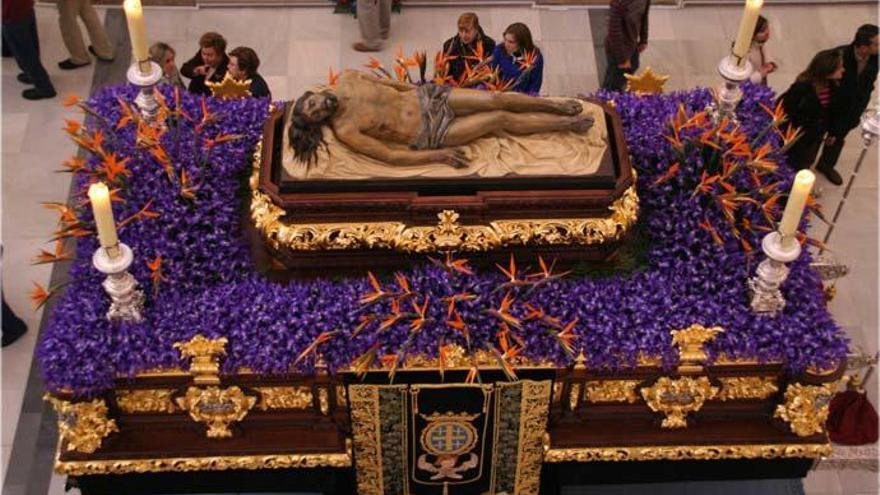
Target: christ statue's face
319,107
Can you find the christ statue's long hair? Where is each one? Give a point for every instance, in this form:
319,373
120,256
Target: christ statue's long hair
305,137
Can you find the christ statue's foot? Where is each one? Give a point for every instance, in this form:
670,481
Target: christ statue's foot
581,124
569,107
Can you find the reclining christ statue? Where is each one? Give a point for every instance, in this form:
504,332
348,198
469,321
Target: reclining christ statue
408,130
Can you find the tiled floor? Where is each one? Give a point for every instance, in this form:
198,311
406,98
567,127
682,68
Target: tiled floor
685,43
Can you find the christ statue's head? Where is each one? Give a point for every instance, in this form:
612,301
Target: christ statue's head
311,112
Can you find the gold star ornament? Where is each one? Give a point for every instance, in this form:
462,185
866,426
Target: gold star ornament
230,88
648,82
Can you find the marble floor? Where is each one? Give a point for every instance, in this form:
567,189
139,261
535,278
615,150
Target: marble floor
297,46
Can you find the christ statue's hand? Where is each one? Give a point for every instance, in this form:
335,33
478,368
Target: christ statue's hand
454,157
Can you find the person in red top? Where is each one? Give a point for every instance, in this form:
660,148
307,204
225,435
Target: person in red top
809,106
20,36
627,37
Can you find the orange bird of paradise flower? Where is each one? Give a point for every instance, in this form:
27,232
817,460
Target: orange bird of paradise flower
40,296
502,313
332,77
311,348
156,275
59,254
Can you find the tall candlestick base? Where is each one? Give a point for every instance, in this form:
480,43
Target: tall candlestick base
146,81
729,94
771,273
127,300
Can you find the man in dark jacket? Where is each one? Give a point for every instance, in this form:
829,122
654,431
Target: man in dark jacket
627,37
20,36
852,96
209,64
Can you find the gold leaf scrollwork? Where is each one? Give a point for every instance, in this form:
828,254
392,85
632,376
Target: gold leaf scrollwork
806,408
688,452
82,426
146,401
364,405
205,354
690,342
747,387
447,234
612,391
284,398
533,424
678,398
208,463
217,407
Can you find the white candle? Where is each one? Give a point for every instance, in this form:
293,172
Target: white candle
794,209
99,196
134,14
747,29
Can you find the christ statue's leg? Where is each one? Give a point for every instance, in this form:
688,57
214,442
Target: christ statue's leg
471,127
468,101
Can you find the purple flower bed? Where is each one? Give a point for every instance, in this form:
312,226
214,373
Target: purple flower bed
210,286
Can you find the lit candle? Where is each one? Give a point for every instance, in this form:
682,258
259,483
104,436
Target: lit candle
103,211
747,29
134,14
797,198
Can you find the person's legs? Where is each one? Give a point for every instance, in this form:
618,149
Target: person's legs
464,130
368,20
100,42
468,101
70,32
830,154
19,38
614,80
384,18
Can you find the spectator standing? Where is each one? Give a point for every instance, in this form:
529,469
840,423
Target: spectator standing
627,37
101,48
164,55
808,104
20,37
860,72
511,57
464,44
762,64
208,64
243,64
374,20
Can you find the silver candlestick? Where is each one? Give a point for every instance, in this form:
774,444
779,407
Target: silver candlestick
729,94
771,273
145,75
121,286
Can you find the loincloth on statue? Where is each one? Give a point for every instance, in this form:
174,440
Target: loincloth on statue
437,116
502,155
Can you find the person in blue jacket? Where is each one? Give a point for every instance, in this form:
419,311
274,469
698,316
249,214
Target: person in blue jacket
519,60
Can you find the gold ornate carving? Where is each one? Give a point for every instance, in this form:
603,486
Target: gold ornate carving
216,407
205,354
646,83
447,234
214,463
364,401
458,358
533,424
230,88
341,396
574,396
146,401
678,398
806,408
688,452
284,397
690,342
82,426
747,387
612,391
324,400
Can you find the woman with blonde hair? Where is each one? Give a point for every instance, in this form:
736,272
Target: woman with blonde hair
163,54
469,45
